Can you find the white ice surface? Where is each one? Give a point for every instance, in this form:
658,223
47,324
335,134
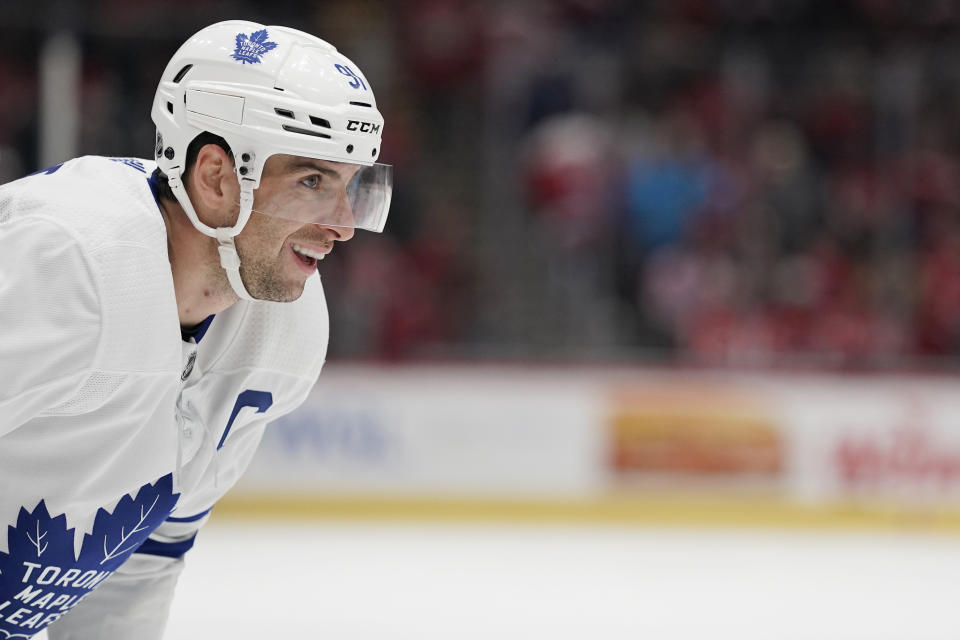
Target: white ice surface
464,582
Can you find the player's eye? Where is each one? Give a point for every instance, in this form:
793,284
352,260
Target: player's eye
311,182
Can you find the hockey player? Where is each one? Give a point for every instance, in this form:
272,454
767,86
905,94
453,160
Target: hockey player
144,339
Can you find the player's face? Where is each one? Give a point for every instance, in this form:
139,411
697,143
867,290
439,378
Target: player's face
278,254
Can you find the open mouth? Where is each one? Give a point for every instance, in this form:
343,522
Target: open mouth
307,256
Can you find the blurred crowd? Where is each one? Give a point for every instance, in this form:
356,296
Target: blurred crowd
767,182
777,181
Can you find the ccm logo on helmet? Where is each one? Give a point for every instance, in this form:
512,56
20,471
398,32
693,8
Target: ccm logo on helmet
364,127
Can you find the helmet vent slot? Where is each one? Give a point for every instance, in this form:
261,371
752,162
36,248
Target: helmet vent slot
286,113
320,122
361,104
170,107
306,132
177,78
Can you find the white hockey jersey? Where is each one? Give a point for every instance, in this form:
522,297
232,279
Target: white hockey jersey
117,435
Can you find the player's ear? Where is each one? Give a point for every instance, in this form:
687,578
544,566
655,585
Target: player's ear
213,179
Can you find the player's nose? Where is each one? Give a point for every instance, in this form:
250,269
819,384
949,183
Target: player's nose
339,234
343,219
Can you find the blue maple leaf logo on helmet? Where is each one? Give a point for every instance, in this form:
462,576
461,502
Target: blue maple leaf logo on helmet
250,48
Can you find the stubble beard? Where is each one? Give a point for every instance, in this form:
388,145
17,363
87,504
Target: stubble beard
263,274
264,281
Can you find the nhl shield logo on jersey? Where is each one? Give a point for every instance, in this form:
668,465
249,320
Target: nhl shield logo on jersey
251,48
188,368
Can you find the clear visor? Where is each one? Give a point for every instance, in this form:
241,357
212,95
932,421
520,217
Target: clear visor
334,198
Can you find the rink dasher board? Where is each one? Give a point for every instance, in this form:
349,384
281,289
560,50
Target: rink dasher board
615,444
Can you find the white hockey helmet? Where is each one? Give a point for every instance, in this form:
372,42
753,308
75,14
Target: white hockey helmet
273,90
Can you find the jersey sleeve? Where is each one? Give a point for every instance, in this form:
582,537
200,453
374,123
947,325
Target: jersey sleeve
50,318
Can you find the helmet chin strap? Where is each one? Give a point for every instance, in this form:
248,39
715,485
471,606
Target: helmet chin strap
230,261
229,258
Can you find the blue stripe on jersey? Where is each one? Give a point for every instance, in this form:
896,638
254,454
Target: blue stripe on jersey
198,331
152,181
190,518
167,549
47,171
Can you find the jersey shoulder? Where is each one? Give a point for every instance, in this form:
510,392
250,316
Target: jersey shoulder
106,207
100,200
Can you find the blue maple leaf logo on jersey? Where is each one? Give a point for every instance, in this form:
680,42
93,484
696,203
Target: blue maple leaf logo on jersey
41,578
116,535
251,48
